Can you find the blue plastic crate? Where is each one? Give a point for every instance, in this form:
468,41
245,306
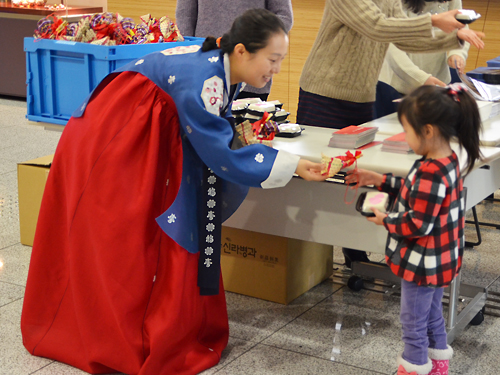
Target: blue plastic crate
494,62
486,74
60,74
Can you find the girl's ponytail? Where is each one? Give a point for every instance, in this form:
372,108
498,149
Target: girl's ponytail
468,124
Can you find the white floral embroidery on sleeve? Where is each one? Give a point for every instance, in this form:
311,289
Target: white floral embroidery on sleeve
171,79
211,94
259,158
181,50
213,59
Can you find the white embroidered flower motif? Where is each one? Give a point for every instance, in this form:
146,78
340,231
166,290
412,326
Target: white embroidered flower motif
211,215
259,158
171,79
211,203
209,251
210,227
211,192
208,262
189,130
223,168
171,218
211,94
210,238
139,62
213,59
212,179
181,50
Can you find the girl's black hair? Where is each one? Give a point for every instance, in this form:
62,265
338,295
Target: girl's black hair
253,29
416,6
452,110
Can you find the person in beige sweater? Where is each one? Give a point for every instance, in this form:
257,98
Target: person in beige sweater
347,55
339,79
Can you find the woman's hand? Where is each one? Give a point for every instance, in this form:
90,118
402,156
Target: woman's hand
446,21
456,62
363,177
433,81
310,171
378,218
471,36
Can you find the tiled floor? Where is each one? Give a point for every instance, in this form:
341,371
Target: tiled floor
328,330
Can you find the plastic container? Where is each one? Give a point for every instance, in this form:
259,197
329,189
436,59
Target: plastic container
485,74
494,63
60,74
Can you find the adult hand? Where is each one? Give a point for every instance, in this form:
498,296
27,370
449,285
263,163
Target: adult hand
446,21
472,36
363,177
456,62
433,81
310,171
378,218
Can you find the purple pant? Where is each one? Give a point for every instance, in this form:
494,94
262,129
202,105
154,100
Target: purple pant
422,321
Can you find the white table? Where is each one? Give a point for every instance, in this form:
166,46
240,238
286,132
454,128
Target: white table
316,212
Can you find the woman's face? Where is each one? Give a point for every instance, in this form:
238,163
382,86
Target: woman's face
259,67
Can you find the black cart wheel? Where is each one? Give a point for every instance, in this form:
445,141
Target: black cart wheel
478,319
355,283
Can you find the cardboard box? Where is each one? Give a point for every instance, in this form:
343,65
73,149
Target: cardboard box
273,268
31,178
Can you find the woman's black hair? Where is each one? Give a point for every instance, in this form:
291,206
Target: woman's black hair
416,6
451,109
253,29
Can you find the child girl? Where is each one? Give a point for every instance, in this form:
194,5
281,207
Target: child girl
426,238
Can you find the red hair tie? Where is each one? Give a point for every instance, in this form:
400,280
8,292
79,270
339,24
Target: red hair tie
217,41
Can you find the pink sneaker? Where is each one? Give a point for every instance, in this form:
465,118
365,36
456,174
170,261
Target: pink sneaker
440,360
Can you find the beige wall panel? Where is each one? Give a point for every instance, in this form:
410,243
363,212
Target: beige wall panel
307,18
136,9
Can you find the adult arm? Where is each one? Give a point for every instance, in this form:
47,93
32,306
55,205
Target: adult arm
186,15
409,34
210,135
401,64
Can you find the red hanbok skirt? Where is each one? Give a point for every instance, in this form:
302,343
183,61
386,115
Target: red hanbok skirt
108,290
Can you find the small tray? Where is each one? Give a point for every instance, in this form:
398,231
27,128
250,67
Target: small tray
289,134
361,199
468,16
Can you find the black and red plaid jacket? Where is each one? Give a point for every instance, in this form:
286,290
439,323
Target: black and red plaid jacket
426,227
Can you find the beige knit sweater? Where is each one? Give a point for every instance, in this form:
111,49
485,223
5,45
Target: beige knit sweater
347,55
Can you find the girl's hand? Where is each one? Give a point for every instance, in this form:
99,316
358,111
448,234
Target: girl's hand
456,62
471,36
446,21
310,171
363,177
378,218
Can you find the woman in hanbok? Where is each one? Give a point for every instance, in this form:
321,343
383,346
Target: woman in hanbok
125,269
